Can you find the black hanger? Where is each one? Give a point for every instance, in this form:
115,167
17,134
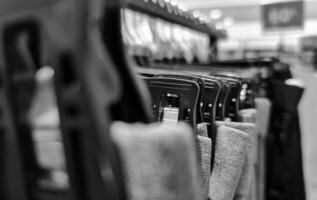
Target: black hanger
133,105
210,98
233,103
222,98
144,75
179,94
201,83
248,89
86,86
17,87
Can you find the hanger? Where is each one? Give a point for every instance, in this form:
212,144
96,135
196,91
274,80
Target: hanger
248,89
86,85
222,97
174,99
134,101
233,103
201,83
210,98
17,84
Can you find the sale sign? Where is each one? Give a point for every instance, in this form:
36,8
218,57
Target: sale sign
283,15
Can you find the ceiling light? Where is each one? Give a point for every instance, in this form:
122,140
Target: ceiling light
228,21
215,14
219,26
196,13
182,7
174,2
205,19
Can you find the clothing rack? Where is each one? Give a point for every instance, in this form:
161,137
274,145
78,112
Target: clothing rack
171,13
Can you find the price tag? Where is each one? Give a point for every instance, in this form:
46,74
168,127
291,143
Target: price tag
284,15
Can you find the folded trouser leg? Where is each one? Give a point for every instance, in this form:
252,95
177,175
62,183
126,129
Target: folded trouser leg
263,106
246,180
230,155
248,115
158,162
204,156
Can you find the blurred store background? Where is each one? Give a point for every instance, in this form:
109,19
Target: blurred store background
292,37
244,23
158,100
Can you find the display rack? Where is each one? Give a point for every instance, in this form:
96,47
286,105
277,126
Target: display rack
171,13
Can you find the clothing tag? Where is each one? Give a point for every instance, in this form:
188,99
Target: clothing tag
45,122
170,116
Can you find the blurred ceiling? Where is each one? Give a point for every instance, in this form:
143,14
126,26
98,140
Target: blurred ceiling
196,4
242,10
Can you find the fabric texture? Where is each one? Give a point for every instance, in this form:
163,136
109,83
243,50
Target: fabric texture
208,130
230,155
158,162
263,106
202,129
204,149
204,155
247,176
248,115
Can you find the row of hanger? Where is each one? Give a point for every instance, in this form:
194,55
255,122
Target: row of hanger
198,96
